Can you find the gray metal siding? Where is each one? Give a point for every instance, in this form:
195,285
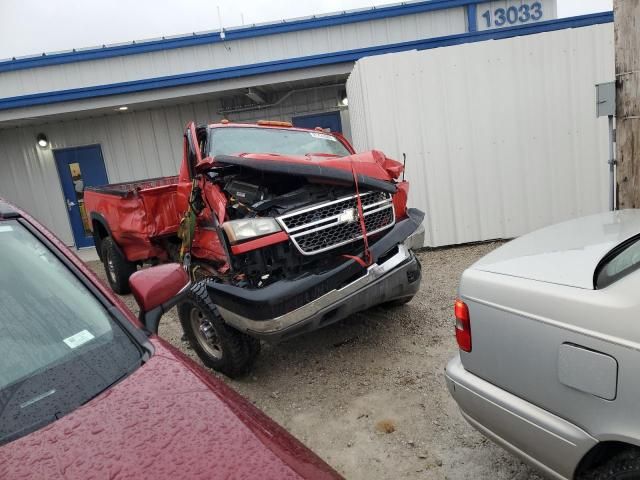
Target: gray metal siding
233,53
501,136
282,80
135,145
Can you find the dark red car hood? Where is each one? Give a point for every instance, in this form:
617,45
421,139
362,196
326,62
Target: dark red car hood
168,420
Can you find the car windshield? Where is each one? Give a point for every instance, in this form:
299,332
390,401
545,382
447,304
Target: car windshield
60,347
281,141
618,264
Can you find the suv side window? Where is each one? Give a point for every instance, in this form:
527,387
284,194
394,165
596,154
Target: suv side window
621,261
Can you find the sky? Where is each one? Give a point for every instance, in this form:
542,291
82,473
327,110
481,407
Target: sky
34,26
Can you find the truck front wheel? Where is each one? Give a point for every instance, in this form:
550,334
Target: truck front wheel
117,268
219,346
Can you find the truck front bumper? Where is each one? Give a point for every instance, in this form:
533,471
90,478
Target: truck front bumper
289,308
539,437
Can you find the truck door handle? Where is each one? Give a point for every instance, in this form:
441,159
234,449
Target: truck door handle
70,204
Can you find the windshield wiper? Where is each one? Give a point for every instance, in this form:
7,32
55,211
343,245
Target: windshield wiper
321,154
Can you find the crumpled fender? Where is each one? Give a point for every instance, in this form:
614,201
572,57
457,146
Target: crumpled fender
373,163
206,242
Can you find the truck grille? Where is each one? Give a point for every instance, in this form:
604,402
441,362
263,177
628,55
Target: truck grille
330,225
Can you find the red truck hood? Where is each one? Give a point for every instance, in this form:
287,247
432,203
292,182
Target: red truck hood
167,420
373,163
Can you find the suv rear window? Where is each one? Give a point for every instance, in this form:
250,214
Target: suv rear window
618,263
60,346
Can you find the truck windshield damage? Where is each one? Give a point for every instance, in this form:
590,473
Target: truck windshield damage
282,241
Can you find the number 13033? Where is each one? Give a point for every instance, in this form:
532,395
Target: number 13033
513,15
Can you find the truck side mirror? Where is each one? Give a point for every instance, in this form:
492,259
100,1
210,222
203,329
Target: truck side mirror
205,164
157,290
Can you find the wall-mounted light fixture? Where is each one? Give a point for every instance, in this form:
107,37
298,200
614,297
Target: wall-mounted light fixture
256,96
43,141
344,101
123,108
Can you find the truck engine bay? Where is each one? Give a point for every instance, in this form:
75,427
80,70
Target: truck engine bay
320,219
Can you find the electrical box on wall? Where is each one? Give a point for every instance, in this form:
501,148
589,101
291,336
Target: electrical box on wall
606,99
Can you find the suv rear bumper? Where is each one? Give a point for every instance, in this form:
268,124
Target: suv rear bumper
397,277
539,437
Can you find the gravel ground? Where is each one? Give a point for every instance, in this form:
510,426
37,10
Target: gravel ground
368,394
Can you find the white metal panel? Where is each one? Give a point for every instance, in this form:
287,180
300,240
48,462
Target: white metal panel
233,53
135,145
501,136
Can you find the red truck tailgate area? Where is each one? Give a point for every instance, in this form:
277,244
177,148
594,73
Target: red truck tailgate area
138,212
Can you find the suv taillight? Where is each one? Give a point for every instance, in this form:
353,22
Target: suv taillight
463,325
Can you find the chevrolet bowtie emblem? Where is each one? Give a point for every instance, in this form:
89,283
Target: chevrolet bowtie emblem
348,216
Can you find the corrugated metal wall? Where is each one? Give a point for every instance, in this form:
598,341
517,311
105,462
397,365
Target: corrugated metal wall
135,145
233,52
501,136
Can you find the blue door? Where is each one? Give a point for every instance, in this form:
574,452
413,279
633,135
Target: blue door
78,168
329,121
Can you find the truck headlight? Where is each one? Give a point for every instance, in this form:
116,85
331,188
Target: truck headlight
239,230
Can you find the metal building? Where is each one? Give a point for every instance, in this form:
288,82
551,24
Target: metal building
118,111
501,137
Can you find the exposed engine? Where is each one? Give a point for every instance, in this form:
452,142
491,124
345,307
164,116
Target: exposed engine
253,194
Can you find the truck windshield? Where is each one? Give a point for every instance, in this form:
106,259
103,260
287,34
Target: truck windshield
60,347
281,141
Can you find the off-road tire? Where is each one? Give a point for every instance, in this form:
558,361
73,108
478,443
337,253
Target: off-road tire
623,466
228,351
117,268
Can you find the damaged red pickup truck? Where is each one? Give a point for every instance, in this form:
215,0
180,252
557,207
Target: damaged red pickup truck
286,230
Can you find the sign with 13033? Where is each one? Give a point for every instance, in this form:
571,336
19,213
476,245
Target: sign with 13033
508,13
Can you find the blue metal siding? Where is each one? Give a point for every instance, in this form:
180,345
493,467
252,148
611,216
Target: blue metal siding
234,53
324,21
296,63
472,14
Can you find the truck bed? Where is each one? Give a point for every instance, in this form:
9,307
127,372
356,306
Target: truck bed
137,213
124,188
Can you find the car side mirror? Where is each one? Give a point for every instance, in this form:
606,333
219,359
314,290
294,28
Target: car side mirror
157,290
